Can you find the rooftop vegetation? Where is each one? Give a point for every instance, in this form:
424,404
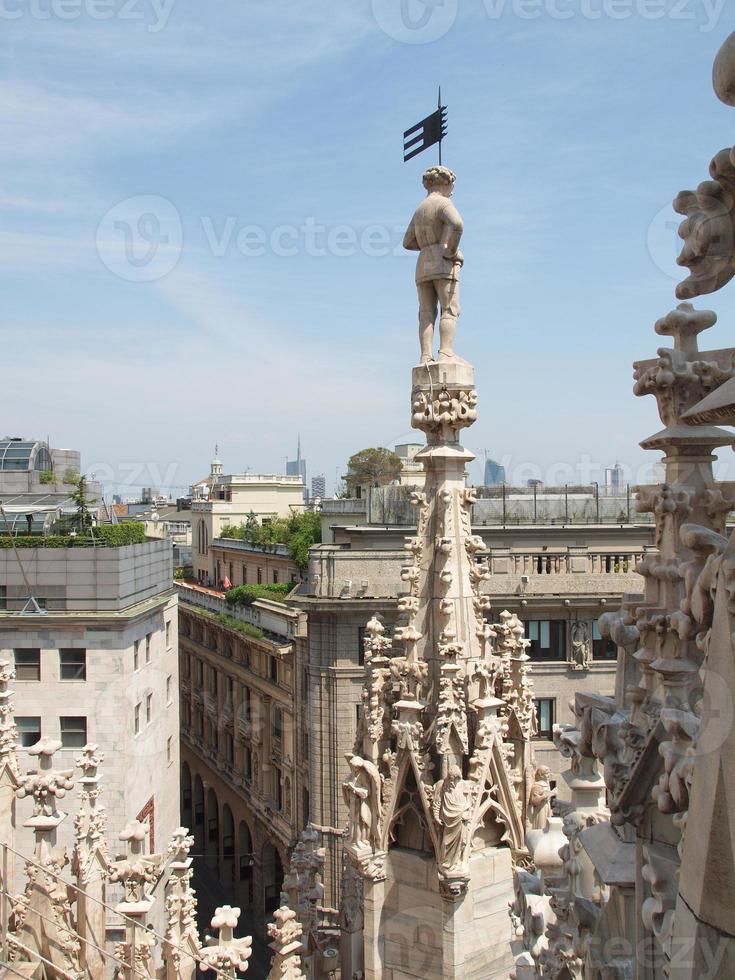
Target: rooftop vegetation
103,536
245,595
297,532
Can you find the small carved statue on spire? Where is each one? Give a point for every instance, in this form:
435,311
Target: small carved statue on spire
435,232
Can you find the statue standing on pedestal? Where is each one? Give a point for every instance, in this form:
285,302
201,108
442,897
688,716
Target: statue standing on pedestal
362,796
435,232
450,812
539,800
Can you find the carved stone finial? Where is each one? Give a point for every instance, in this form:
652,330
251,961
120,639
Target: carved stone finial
286,934
180,845
226,954
46,786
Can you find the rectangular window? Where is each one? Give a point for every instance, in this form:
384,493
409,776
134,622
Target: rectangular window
277,724
148,708
305,805
73,665
3,597
602,649
275,577
361,645
73,731
148,648
27,665
548,639
137,719
545,712
136,655
168,634
260,576
168,689
229,748
29,731
274,670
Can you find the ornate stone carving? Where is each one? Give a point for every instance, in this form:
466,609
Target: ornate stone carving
285,933
226,954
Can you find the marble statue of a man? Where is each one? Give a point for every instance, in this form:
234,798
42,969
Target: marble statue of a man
435,232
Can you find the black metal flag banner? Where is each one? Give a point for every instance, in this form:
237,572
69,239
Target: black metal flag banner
427,133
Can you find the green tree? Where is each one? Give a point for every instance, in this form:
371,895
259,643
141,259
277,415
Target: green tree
83,518
304,531
374,467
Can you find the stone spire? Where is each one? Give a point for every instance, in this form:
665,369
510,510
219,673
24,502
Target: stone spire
645,889
439,783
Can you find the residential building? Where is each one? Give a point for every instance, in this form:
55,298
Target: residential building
244,745
231,501
96,662
249,564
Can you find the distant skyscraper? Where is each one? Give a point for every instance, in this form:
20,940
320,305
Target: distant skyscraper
494,473
297,467
614,478
319,486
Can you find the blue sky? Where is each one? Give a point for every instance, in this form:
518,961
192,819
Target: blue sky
201,209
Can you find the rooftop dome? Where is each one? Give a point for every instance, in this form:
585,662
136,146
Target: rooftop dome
24,455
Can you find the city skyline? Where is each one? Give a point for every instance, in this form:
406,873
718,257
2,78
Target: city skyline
512,83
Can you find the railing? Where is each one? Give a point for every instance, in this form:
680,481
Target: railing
546,563
8,941
282,625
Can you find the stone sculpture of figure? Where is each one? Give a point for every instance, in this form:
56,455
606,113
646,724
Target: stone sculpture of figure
580,646
539,799
450,812
362,795
435,232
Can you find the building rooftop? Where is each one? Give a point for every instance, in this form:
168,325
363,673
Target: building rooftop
24,455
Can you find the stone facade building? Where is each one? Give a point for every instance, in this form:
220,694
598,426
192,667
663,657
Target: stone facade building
98,664
245,750
248,564
230,500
